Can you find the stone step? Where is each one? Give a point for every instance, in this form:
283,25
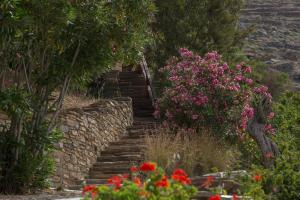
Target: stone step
129,74
135,92
110,170
133,87
143,114
102,175
115,163
116,149
96,181
126,157
127,141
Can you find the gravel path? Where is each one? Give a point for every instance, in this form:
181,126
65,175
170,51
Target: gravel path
49,195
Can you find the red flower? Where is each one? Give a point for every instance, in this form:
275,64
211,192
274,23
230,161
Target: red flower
181,176
134,169
115,180
215,197
208,182
125,176
180,172
137,181
235,197
257,177
163,182
91,189
148,167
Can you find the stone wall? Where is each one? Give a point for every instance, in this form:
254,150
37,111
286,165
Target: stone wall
87,131
276,40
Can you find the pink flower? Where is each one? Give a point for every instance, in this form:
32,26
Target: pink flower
248,112
194,117
271,115
248,70
185,53
238,67
239,78
269,129
249,81
169,114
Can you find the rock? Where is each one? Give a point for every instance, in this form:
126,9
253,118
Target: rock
277,35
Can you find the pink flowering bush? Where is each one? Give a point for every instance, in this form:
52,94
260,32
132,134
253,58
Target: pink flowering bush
204,92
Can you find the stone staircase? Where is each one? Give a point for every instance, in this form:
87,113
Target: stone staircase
276,39
133,84
121,155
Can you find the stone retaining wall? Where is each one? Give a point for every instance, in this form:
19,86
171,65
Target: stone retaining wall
87,131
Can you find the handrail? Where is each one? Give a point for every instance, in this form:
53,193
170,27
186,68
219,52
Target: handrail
147,76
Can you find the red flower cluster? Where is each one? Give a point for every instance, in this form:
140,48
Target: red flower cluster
134,169
218,197
148,166
208,182
215,197
116,181
181,176
235,197
257,177
91,189
137,181
163,182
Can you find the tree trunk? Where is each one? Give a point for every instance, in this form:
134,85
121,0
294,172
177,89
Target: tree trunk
268,148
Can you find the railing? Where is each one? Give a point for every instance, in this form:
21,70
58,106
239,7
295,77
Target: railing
147,76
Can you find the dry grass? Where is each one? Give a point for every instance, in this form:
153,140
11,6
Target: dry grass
75,100
161,148
197,154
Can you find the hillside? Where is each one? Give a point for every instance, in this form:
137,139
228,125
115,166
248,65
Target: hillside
276,39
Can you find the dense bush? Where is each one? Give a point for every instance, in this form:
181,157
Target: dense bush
287,119
282,181
206,94
44,46
144,182
202,26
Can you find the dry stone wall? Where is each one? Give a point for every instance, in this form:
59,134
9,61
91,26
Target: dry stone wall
277,37
88,131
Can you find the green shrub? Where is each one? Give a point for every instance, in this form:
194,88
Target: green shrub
282,181
287,119
201,26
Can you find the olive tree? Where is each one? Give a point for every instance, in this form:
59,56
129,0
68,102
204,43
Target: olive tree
43,46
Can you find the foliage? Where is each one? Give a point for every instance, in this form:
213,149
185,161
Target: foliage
33,169
205,93
44,46
283,180
202,26
287,119
277,82
196,154
154,185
